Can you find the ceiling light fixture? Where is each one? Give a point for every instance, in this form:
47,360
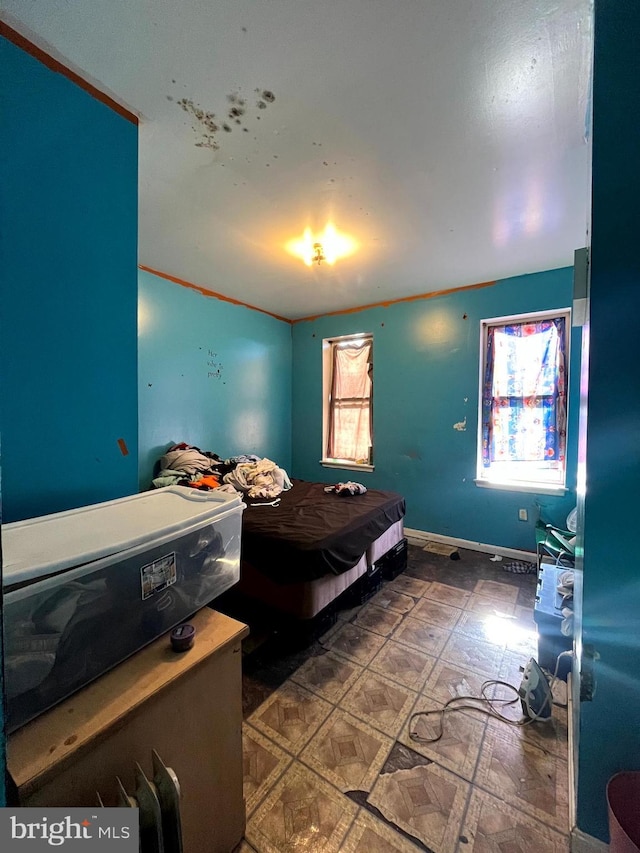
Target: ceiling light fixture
318,254
330,245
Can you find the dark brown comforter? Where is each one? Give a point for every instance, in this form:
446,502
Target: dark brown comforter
312,533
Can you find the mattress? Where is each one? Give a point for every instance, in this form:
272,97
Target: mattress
304,599
312,533
384,543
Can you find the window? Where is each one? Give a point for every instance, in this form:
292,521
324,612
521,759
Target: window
523,402
348,375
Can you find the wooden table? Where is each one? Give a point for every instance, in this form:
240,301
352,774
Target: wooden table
187,706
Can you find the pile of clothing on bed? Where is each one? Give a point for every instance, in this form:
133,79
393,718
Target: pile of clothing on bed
250,475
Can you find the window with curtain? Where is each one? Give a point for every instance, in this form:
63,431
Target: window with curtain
348,403
523,424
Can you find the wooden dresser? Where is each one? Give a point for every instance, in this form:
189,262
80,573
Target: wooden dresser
187,706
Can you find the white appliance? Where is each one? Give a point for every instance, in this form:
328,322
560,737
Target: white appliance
86,588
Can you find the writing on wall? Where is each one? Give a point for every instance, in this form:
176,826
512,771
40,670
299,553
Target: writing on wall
214,367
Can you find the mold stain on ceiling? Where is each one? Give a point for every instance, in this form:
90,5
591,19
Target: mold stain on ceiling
207,126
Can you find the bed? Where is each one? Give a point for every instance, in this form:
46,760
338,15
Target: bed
303,550
300,555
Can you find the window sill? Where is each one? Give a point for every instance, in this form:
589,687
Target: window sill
536,488
346,465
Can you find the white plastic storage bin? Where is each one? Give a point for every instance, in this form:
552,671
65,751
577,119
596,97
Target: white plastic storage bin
86,588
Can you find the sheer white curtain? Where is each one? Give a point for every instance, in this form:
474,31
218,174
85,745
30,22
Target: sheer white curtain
350,404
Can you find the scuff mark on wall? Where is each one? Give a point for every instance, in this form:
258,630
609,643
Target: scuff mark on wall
413,454
461,426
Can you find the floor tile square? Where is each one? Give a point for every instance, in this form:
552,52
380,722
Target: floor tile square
497,590
263,763
290,716
458,747
392,599
523,641
550,735
524,617
523,776
527,595
512,667
523,636
402,664
513,664
302,814
486,628
489,606
377,700
347,752
477,656
409,585
436,613
448,680
370,835
355,643
378,619
429,639
446,594
492,826
328,675
426,801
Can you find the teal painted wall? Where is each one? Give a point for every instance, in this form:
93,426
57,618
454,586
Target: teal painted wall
426,380
68,226
610,724
212,374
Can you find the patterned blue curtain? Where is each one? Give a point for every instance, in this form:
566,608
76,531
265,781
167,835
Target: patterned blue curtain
524,403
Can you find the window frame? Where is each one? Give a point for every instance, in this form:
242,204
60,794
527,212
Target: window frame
328,346
509,484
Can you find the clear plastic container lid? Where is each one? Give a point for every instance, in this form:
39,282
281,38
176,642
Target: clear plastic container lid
62,540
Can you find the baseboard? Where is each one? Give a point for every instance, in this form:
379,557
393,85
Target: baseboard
583,843
419,537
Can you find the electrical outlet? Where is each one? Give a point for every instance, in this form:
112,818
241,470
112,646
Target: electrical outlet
523,515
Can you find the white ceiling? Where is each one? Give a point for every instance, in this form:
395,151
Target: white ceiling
448,137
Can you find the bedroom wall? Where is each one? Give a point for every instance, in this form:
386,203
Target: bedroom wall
68,225
609,729
425,407
212,374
